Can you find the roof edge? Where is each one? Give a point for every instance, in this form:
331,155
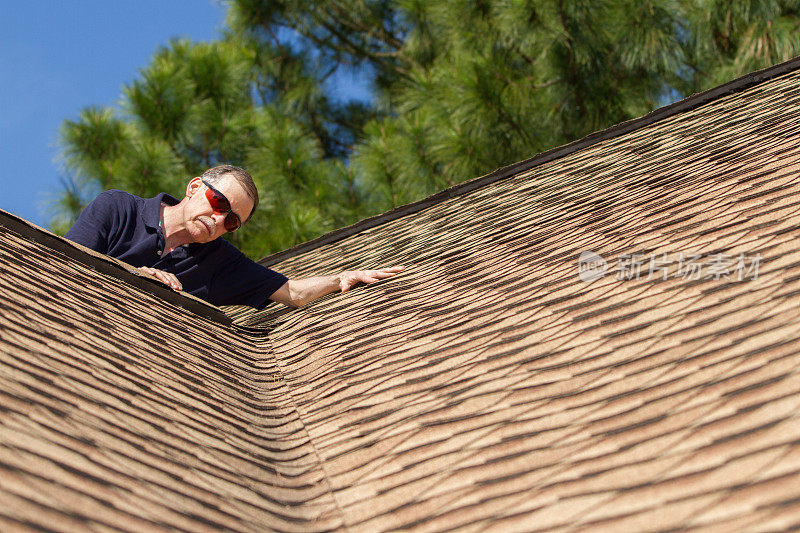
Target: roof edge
686,104
112,267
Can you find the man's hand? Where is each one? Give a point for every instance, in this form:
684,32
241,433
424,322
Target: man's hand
166,277
350,278
298,292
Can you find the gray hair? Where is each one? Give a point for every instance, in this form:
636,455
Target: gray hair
215,174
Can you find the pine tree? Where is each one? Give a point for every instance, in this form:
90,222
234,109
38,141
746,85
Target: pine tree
197,105
459,88
726,39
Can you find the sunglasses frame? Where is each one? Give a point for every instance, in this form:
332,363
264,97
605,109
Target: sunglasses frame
229,213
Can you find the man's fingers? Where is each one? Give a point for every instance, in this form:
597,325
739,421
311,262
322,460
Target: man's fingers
383,272
162,276
169,279
165,277
390,270
370,276
350,279
174,283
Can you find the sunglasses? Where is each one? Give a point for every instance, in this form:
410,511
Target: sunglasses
220,204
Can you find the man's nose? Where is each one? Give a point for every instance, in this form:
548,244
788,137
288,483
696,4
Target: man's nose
219,219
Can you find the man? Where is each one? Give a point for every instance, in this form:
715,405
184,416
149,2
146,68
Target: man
178,242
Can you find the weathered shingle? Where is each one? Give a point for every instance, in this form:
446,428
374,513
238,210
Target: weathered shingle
488,387
119,410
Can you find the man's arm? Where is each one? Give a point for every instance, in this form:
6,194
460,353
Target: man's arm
298,292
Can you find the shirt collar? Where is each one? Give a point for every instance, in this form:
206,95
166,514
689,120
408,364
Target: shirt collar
151,214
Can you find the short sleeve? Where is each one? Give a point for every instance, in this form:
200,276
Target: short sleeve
242,281
96,222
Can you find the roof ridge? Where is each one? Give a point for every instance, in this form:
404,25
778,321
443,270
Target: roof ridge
112,267
686,104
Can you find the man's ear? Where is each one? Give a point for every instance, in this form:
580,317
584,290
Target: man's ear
193,186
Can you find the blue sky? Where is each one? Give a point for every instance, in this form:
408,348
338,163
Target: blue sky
58,56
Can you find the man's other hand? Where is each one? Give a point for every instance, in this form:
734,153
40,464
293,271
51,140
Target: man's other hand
350,278
298,292
166,277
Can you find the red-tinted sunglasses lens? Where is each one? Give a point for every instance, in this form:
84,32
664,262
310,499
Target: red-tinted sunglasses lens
231,222
220,204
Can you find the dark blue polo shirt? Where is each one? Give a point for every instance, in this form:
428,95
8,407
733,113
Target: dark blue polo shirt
127,227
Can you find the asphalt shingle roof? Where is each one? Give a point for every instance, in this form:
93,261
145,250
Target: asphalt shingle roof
494,385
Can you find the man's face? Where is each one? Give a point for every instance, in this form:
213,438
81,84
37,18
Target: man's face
201,221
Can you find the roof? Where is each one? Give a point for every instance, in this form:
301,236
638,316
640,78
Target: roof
120,409
519,374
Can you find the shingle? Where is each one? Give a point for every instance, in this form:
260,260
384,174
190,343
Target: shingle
648,376
485,388
118,409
